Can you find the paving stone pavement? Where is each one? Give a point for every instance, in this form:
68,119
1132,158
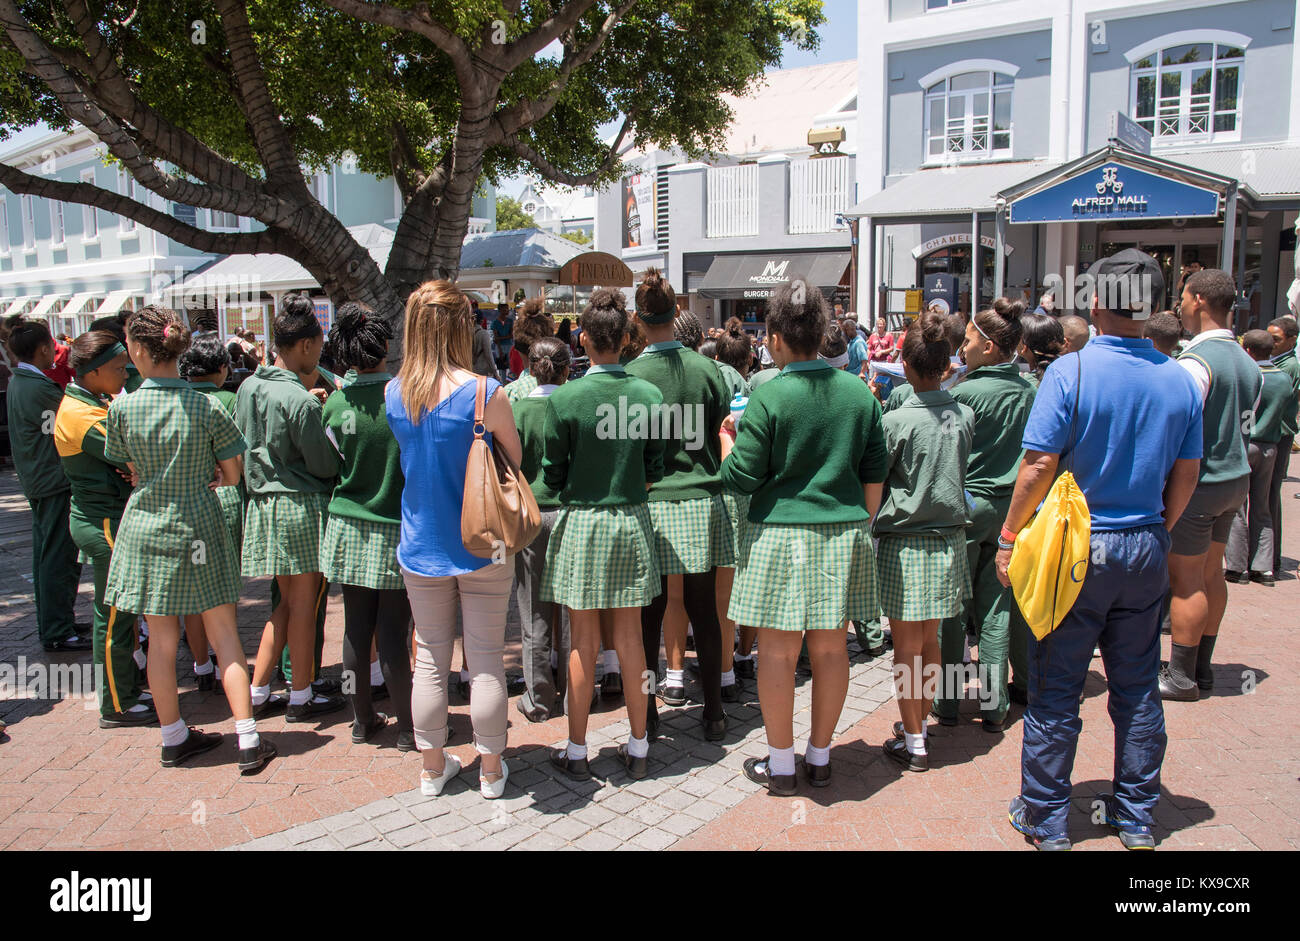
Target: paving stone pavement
691,782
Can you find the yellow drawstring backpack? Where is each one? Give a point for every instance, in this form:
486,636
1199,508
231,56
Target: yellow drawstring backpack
1050,556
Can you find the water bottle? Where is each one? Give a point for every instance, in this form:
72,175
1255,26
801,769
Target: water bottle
738,403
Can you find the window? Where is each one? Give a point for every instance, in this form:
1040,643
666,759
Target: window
968,117
1189,92
941,4
56,224
89,217
126,186
223,220
29,223
4,226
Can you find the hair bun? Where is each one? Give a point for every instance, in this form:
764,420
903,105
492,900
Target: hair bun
655,295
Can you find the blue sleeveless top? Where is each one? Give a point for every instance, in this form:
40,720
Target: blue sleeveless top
434,452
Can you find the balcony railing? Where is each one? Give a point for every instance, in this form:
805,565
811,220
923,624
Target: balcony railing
732,197
819,190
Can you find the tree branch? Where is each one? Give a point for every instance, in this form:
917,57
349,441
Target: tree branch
87,194
550,172
514,54
417,20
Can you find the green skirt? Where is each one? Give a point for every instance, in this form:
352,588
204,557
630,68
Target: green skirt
361,552
601,557
737,505
232,508
804,578
923,576
283,532
692,536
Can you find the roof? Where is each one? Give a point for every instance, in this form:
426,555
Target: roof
949,190
798,96
1271,170
517,248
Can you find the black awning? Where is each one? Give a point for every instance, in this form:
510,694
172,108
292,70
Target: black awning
756,276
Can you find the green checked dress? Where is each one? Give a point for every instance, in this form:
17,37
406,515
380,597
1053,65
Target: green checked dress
922,563
601,551
360,543
173,553
231,498
289,472
810,439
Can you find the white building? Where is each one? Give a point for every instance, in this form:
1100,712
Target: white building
560,209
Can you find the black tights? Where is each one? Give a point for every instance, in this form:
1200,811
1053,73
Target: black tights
385,616
699,595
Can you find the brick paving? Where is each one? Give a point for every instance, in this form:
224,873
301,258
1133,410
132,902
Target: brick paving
1229,782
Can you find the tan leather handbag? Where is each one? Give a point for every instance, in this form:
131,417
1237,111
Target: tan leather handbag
499,515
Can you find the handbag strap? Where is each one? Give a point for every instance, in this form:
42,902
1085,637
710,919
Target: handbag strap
480,397
1074,415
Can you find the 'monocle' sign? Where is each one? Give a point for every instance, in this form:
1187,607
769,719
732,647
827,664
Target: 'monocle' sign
1113,191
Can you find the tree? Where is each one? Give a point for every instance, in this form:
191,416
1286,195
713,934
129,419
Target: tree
224,106
511,215
578,236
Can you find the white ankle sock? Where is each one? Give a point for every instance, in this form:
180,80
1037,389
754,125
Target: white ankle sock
260,694
638,747
140,659
817,756
744,656
247,730
205,669
175,733
611,661
915,743
729,678
577,752
376,673
464,676
675,678
781,760
299,696
139,707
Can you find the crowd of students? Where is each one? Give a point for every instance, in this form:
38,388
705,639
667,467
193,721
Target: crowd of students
678,484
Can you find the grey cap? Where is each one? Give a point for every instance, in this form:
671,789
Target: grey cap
1128,284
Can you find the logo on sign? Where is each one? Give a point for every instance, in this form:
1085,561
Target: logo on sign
773,273
1110,198
1108,180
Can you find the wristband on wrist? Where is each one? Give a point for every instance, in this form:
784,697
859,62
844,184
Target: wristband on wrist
1003,544
1007,535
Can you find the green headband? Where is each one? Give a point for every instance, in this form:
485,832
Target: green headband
666,317
109,354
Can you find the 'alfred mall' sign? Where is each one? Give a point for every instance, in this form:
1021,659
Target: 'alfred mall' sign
1113,191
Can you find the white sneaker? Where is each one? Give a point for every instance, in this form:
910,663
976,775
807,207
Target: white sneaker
431,786
491,790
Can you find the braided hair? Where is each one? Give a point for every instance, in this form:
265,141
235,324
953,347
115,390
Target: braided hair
358,338
687,330
160,331
1043,338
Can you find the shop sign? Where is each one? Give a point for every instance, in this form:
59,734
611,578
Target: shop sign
1111,192
639,211
957,238
773,273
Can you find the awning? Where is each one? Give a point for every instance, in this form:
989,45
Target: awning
17,305
77,304
46,302
756,276
112,304
948,191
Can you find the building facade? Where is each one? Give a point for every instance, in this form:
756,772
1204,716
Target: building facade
1022,140
68,264
730,229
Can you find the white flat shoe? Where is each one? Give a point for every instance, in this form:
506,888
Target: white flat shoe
491,790
431,786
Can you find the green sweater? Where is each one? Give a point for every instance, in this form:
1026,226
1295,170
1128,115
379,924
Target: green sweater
734,380
1235,382
99,491
763,376
899,394
530,421
288,451
370,478
31,404
599,449
696,401
808,441
1276,397
928,439
1288,363
1001,399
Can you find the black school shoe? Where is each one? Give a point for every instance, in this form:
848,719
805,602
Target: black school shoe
73,644
207,682
817,775
1263,578
576,768
897,750
637,768
273,705
745,670
715,730
1236,578
778,785
196,743
252,759
672,695
361,734
316,706
611,686
127,719
731,692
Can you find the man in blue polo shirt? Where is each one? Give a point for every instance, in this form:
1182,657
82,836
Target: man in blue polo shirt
1134,447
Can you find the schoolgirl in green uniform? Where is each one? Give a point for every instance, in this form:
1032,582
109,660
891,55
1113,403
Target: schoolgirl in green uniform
1000,397
810,453
289,474
100,489
359,550
205,366
600,459
922,564
173,554
692,530
532,323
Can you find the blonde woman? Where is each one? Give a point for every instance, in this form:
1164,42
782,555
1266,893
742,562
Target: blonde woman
430,408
